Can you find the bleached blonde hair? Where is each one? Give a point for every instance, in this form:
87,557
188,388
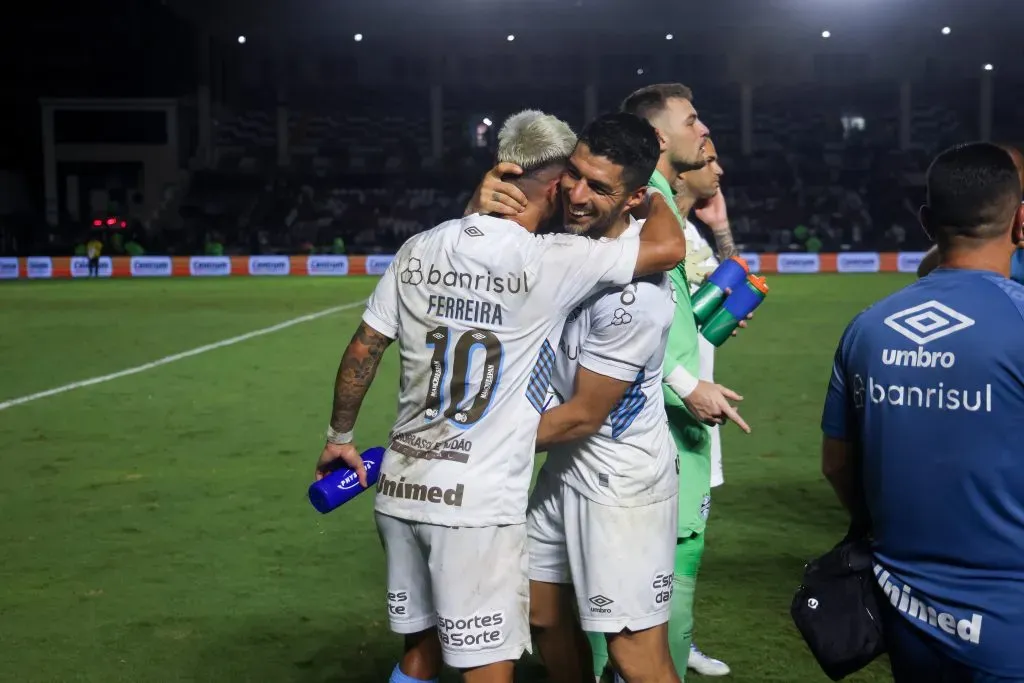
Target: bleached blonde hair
532,139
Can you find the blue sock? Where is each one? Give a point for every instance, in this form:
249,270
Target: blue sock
398,677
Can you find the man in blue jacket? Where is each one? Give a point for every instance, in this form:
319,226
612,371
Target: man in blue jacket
931,258
924,434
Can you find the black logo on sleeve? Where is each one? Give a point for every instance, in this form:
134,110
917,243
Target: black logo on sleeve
621,317
413,273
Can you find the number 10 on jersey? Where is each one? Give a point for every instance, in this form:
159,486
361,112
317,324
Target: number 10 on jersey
460,409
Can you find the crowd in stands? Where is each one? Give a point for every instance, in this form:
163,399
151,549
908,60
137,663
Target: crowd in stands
360,177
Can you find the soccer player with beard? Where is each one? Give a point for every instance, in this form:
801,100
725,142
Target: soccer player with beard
602,518
699,191
474,303
692,404
931,259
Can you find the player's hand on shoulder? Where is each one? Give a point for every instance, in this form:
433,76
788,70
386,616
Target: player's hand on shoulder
496,196
709,403
336,456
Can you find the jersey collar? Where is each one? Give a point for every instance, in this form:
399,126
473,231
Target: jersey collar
633,230
660,183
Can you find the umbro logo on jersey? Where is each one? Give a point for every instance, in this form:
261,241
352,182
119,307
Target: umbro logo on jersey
599,604
474,231
927,322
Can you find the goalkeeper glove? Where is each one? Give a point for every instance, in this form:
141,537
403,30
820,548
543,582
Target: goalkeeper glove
696,271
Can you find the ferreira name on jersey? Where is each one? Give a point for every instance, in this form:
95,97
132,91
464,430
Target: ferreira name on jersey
477,306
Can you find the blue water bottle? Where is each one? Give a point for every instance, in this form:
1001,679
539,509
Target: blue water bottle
709,297
342,485
736,308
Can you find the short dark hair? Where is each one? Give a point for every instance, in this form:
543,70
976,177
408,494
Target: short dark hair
653,99
628,141
973,190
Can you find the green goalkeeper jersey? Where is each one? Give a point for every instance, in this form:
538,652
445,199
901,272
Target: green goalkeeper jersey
692,437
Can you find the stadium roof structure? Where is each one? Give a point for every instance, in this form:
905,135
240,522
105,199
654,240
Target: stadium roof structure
583,20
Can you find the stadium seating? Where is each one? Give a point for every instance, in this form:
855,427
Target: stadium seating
360,167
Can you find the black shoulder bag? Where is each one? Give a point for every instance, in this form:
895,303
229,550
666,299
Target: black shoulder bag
836,609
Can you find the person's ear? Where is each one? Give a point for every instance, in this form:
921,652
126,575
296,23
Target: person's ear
636,198
662,140
1017,230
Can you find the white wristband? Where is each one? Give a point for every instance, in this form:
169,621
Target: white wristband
338,438
681,382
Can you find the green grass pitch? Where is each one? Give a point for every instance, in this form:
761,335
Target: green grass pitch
154,529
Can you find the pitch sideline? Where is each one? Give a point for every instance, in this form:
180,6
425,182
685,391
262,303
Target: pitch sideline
4,405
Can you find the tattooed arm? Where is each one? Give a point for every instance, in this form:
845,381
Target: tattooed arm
355,374
724,241
713,213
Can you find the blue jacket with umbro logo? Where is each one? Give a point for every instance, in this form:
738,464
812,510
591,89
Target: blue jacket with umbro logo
929,383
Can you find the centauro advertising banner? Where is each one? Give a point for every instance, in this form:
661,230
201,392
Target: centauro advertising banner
327,265
269,265
80,266
331,265
150,266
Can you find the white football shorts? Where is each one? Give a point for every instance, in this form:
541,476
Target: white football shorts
619,559
469,582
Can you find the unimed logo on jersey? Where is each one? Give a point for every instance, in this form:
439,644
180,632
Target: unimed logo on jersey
150,266
209,266
479,630
799,263
269,265
8,268
425,494
903,599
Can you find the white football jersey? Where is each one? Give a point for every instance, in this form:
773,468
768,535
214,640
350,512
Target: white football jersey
620,333
694,241
477,306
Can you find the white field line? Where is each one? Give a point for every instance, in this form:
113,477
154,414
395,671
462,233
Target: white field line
4,405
